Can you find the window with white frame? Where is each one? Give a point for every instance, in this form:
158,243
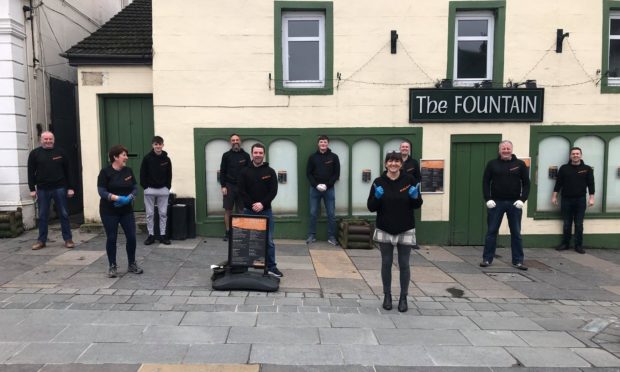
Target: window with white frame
473,47
613,67
303,49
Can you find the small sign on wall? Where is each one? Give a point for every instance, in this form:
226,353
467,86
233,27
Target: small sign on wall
432,171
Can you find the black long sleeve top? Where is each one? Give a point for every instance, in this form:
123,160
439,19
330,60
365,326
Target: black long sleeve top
49,169
575,180
323,168
231,165
395,208
412,167
506,180
156,171
258,184
118,182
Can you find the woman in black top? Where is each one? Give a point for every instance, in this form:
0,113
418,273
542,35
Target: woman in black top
117,188
394,196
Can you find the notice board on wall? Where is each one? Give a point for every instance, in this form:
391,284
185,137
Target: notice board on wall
432,171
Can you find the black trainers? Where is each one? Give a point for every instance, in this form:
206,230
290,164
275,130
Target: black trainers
225,238
134,268
275,272
311,239
562,247
112,272
149,240
485,264
519,266
164,240
333,241
579,249
415,247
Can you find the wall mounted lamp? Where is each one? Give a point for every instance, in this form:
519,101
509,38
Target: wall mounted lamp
559,38
393,38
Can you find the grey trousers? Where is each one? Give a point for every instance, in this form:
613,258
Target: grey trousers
157,197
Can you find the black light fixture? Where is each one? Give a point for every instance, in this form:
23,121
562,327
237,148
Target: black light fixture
486,84
444,84
393,38
530,84
559,38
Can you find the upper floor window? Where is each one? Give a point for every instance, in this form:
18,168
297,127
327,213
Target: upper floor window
473,47
613,67
476,42
303,49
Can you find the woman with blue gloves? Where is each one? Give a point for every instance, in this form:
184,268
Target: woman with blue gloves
394,196
117,188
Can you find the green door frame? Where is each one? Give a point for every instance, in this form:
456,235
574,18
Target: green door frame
141,135
305,139
454,186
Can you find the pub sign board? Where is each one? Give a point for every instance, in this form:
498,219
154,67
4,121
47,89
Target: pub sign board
472,105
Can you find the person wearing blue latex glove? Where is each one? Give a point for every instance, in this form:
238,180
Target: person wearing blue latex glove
122,201
378,191
391,197
117,187
414,191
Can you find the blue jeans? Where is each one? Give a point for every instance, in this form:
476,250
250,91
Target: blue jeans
573,209
494,220
110,225
329,199
271,247
44,199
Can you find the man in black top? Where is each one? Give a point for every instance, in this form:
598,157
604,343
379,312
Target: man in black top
156,180
573,179
323,170
258,186
49,178
505,187
233,161
412,167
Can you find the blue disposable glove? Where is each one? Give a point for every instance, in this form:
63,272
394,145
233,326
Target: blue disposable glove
122,201
378,191
414,191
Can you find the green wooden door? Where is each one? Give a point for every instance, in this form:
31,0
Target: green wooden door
128,120
469,155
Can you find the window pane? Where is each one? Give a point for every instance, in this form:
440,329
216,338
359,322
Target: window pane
283,155
614,27
613,177
341,149
303,28
552,153
213,157
366,160
473,27
303,59
614,58
472,59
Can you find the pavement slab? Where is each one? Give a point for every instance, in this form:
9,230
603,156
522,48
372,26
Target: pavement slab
297,354
221,354
468,356
199,368
547,357
333,264
55,353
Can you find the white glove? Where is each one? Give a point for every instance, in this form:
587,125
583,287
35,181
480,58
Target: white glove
518,204
321,187
491,204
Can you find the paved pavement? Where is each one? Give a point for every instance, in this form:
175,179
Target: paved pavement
60,312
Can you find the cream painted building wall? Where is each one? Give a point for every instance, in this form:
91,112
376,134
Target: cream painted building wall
211,68
95,81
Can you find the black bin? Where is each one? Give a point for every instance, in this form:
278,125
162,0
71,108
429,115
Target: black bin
190,221
179,222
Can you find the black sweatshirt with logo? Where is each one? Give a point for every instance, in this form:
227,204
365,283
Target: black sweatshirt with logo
323,168
506,180
258,184
395,208
118,182
412,167
232,164
156,171
48,169
573,180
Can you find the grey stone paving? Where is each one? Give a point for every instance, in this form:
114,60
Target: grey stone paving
59,312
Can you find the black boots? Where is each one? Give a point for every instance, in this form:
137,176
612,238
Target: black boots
402,304
387,301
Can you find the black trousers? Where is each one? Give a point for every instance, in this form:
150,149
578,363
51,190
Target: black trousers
387,257
573,210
